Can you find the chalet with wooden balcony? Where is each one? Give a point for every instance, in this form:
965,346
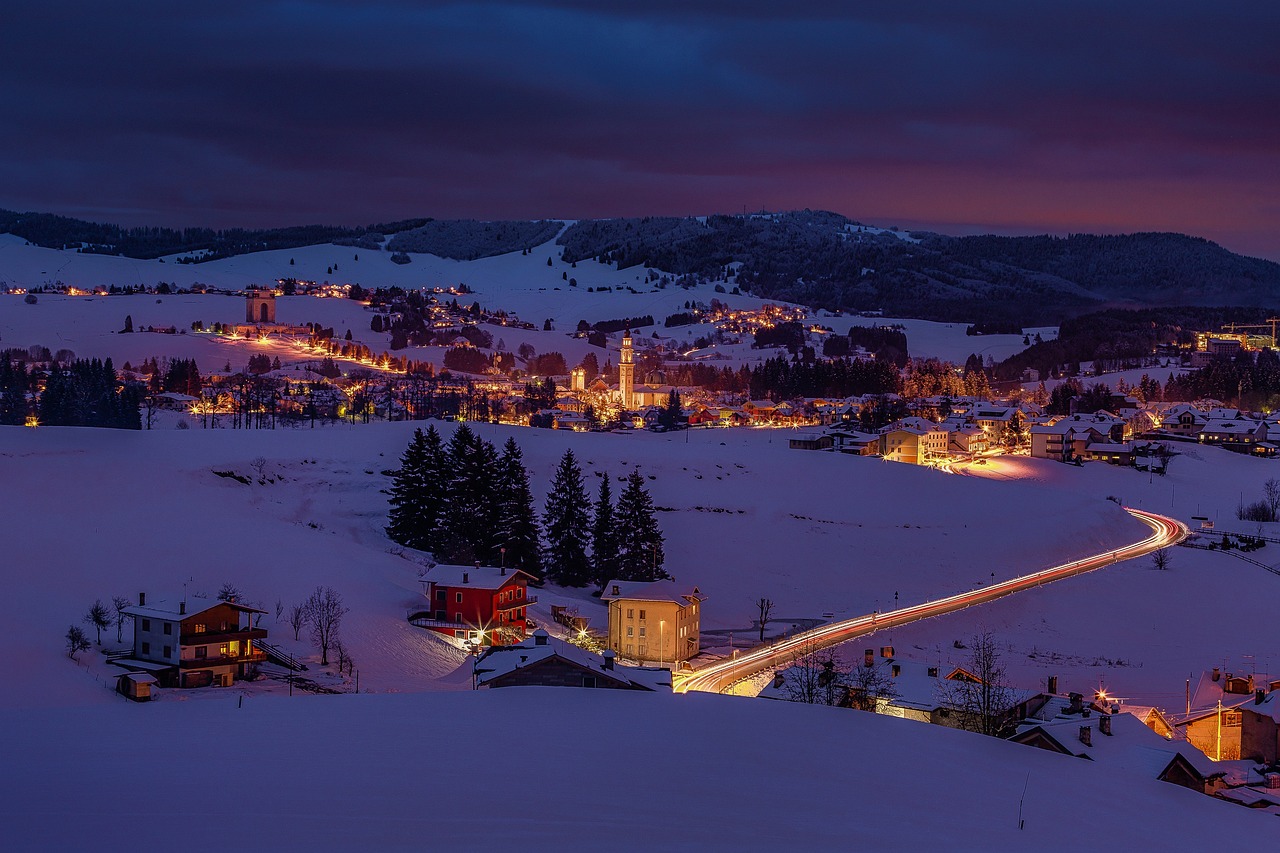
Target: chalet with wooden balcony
478,605
193,642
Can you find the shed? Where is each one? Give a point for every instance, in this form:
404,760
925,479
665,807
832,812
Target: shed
136,685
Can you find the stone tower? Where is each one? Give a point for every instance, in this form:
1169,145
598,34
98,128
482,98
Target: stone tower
626,374
259,306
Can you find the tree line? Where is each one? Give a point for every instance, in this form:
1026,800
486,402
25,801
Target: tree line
465,502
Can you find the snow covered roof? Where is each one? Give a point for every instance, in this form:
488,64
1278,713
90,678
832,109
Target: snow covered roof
1131,746
174,609
666,590
480,577
1231,426
499,661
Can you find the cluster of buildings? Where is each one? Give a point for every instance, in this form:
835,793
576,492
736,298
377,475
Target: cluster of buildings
1226,744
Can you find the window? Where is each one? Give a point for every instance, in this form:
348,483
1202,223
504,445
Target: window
146,624
146,648
223,650
588,681
641,630
642,614
202,651
199,629
168,628
439,595
631,614
168,651
459,634
630,631
457,597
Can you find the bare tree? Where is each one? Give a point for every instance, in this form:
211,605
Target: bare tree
815,676
99,617
77,641
120,604
1271,494
980,694
279,609
1160,558
870,682
324,611
259,464
149,406
765,606
345,663
297,618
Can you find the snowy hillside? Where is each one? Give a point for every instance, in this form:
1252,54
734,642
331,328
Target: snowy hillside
584,769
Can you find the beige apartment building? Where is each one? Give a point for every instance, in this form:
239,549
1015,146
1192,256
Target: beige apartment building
653,620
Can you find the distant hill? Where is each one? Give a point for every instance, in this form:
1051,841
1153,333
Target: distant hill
816,258
827,260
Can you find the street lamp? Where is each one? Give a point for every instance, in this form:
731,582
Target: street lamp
662,641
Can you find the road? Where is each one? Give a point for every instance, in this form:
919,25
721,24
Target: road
718,676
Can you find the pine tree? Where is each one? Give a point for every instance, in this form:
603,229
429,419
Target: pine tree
13,393
1014,432
469,522
517,520
604,537
406,519
565,521
671,415
640,555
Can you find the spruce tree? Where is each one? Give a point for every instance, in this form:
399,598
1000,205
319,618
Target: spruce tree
640,555
565,521
408,491
470,520
517,519
604,537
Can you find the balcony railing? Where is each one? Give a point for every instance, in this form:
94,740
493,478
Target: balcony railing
208,638
522,602
222,660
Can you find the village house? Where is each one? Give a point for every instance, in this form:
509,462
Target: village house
1183,420
653,621
916,441
479,605
1068,438
193,642
1240,434
1243,721
1123,742
545,661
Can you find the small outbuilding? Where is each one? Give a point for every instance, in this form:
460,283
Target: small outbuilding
136,685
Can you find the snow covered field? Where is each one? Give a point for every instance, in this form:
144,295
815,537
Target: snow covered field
578,769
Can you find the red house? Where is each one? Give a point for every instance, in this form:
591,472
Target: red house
484,605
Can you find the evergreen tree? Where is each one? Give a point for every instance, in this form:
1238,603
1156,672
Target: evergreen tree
470,518
671,415
517,520
565,521
1014,432
604,537
408,491
13,393
640,555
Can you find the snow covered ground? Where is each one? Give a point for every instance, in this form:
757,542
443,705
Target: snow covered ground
550,768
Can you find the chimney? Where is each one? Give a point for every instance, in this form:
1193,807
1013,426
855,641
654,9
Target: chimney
182,608
1053,685
1086,735
540,637
142,599
616,590
933,672
466,577
503,571
778,680
608,659
869,657
1259,696
1104,724
1217,673
1077,702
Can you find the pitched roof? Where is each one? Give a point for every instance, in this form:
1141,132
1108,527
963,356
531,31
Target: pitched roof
499,661
665,590
173,610
480,577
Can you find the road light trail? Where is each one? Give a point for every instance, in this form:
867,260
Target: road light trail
718,676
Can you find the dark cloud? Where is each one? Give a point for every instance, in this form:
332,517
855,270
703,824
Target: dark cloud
1013,116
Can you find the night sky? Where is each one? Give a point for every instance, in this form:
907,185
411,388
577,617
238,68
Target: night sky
1013,117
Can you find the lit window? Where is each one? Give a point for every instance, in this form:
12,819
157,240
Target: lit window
199,629
224,650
